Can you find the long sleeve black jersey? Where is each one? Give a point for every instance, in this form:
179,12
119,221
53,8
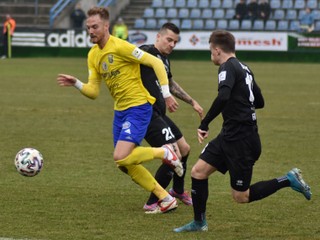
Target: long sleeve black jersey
238,97
150,81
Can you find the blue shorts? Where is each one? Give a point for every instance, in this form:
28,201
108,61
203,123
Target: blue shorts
131,124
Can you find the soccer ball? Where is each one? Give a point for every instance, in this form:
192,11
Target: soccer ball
28,162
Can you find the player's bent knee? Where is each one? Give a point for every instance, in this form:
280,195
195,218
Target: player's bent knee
198,173
123,169
185,149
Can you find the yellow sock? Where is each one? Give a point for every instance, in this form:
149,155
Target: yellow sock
140,175
141,154
158,152
159,191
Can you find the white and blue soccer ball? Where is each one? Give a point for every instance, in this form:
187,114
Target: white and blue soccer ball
28,162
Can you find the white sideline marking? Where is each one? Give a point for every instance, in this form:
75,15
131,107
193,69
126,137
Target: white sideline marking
3,238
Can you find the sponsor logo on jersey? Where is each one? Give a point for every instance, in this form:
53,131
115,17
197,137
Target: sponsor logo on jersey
222,76
137,53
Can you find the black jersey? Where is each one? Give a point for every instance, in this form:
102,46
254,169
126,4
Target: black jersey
238,110
150,81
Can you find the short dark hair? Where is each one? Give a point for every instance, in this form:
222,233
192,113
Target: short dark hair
223,39
102,12
170,26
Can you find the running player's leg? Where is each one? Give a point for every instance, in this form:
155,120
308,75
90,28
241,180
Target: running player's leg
177,189
129,130
158,134
210,160
241,168
242,156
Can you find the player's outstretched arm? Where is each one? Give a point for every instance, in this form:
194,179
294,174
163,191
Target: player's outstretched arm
180,93
196,106
66,80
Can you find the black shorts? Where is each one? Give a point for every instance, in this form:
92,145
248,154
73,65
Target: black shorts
237,157
162,130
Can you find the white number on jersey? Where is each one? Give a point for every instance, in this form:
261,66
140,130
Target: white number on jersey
250,85
167,133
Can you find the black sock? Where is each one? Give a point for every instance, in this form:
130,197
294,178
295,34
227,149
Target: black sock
199,195
163,177
264,189
178,182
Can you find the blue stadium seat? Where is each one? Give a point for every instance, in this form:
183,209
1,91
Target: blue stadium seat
316,14
299,4
148,13
168,3
151,23
227,4
218,13
172,13
286,4
210,24
160,13
230,13
258,25
300,13
283,25
207,13
176,22
222,24
270,25
198,24
180,3
294,25
291,14
161,22
192,3
195,13
183,13
246,24
317,26
275,4
278,14
139,23
203,3
215,4
186,24
156,3
234,24
312,4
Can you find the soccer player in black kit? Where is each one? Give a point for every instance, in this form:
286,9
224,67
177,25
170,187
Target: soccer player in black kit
237,147
162,130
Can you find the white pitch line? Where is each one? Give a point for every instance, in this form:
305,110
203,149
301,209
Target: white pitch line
4,238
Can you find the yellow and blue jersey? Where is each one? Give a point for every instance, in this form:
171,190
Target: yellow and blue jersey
118,65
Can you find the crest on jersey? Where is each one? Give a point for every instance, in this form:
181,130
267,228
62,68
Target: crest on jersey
104,66
110,58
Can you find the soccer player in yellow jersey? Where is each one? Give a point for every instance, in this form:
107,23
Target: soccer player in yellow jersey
117,63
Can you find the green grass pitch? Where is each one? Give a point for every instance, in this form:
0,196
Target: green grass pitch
80,194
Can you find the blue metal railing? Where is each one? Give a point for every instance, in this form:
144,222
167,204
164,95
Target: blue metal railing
105,3
61,4
57,9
